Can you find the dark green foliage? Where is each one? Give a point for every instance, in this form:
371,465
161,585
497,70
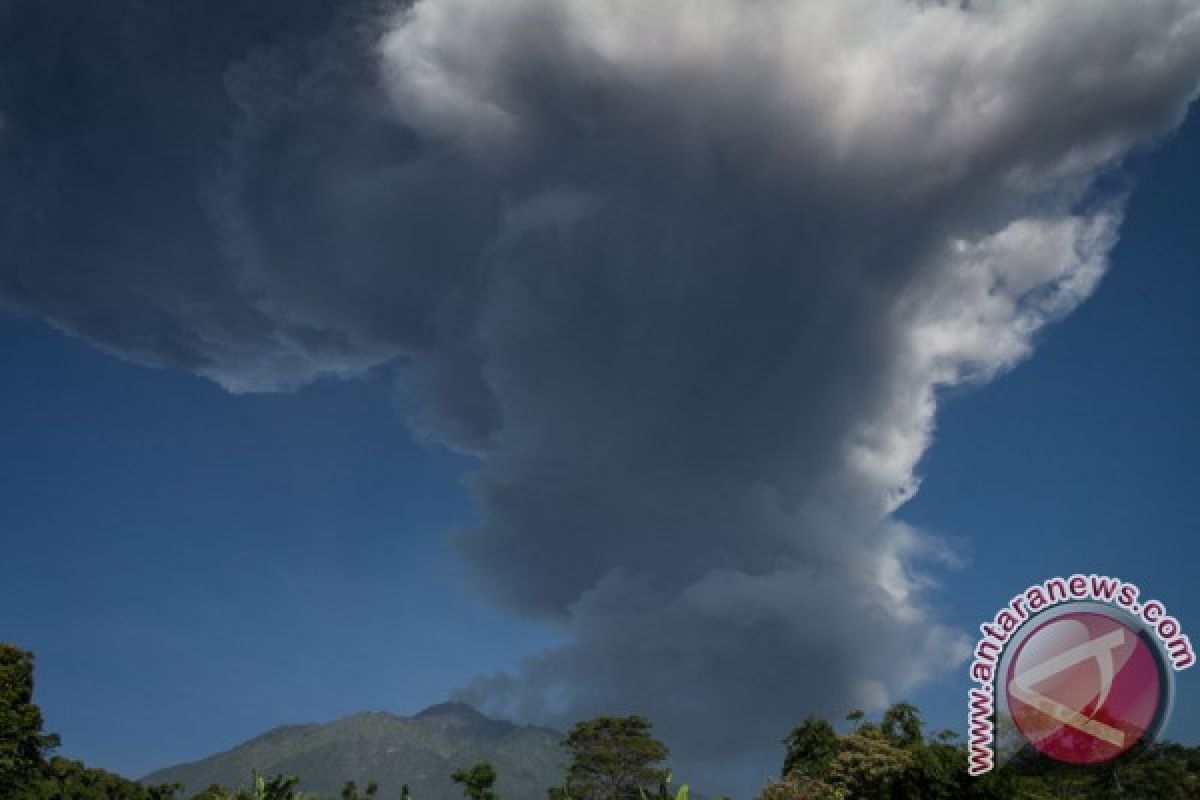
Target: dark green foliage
664,791
477,781
810,747
23,745
1164,771
350,791
613,758
63,779
893,761
798,786
213,792
901,724
279,787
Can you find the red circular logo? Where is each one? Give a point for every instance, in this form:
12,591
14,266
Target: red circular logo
1084,687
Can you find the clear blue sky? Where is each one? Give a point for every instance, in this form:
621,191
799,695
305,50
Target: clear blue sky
192,567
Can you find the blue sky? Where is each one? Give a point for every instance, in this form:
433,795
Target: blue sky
192,566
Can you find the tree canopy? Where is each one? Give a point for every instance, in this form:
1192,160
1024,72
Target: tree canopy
23,745
614,758
894,760
477,781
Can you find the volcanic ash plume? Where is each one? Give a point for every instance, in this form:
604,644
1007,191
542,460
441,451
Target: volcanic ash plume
685,276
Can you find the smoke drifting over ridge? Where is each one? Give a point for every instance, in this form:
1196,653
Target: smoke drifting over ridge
685,276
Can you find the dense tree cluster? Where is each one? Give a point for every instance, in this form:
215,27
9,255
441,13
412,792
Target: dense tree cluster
894,760
64,779
618,758
23,746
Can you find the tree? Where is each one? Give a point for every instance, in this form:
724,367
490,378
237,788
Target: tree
799,786
936,771
23,745
901,724
892,761
477,781
868,765
810,747
350,791
64,779
613,758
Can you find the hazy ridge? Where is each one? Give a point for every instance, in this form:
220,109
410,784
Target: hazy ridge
421,751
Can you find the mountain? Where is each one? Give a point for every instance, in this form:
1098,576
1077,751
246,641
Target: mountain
421,751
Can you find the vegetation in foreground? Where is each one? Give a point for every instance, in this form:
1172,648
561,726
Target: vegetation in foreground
617,758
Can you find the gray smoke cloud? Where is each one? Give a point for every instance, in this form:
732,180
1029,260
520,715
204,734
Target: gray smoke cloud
686,277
